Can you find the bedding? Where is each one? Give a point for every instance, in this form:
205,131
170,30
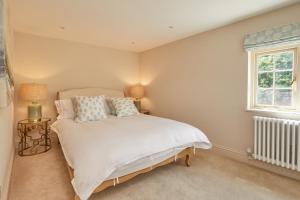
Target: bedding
124,107
146,162
98,150
65,109
90,108
109,107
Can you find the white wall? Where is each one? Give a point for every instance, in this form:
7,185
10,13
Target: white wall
63,65
202,80
6,123
6,148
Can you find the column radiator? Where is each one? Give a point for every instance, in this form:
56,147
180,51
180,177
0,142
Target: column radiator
277,141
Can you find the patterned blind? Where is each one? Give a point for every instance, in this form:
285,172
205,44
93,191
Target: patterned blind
283,35
6,81
2,55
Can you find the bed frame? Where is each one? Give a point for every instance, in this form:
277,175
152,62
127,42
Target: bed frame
184,154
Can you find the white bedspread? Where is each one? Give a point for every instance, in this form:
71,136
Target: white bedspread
96,149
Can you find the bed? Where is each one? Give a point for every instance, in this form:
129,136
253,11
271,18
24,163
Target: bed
111,151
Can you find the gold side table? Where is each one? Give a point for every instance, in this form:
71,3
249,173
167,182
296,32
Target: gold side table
34,136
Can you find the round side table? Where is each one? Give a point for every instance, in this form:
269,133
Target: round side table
34,136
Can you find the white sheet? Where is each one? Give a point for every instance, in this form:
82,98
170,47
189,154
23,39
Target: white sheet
95,150
146,162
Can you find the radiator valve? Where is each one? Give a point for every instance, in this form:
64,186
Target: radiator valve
249,153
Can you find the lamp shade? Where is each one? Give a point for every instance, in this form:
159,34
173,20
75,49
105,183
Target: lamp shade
137,91
33,92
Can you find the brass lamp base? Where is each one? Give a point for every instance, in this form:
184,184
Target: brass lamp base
34,112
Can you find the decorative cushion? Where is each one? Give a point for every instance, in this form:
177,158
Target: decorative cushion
65,109
124,107
90,108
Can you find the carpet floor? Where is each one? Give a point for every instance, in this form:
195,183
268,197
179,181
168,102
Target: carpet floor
210,177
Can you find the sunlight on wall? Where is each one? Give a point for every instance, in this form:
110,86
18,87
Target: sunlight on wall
147,104
147,80
37,72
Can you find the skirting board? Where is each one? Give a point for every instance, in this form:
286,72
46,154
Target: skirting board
5,189
242,157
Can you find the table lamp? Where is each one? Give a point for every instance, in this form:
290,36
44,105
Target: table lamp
34,93
137,92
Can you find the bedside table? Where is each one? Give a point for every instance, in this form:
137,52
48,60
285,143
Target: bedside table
34,137
146,112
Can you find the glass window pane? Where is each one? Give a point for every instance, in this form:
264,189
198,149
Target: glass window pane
284,60
283,97
283,79
264,96
265,80
265,63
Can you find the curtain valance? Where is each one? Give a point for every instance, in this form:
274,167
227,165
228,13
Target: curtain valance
287,34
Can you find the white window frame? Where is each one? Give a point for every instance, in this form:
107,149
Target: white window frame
253,74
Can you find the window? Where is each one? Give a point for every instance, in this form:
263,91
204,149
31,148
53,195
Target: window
273,80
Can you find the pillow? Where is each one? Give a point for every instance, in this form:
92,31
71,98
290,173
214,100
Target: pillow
65,109
124,107
90,108
111,108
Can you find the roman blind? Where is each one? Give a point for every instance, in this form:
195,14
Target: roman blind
282,35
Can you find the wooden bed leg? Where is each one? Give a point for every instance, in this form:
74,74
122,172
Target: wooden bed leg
76,197
187,160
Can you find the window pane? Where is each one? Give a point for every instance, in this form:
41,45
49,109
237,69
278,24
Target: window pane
265,80
265,63
284,60
283,79
283,97
265,96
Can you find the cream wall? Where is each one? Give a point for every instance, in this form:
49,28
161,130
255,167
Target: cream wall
6,148
6,121
202,80
63,65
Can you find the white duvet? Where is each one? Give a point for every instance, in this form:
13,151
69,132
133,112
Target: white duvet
96,149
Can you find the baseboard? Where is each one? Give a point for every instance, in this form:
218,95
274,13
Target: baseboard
6,185
242,157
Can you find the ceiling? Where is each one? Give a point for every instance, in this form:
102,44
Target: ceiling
134,25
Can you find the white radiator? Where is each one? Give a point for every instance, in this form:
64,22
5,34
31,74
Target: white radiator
277,141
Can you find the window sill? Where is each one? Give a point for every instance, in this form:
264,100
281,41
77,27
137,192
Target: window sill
281,113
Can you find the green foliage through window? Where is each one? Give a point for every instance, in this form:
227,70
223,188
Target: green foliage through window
284,61
265,80
274,78
265,63
283,79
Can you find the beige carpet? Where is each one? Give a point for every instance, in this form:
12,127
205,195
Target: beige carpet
211,177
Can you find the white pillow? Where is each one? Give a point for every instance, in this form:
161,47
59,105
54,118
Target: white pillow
110,106
124,107
65,109
90,108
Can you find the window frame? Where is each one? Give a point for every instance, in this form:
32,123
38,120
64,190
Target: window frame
253,82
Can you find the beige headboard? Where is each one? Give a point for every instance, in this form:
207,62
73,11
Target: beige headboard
90,91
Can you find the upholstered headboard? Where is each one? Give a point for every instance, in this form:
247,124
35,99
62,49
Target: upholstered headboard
90,91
